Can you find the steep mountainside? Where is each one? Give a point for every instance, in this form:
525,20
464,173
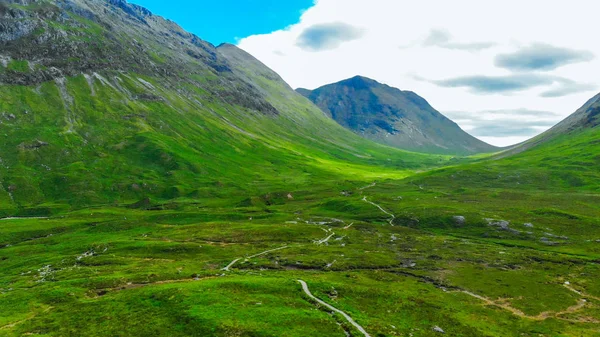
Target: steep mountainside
102,101
390,116
585,118
565,158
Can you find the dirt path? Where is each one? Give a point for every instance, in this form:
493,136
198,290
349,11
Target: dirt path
346,316
23,218
266,252
227,268
367,187
322,241
504,304
30,317
231,264
129,286
393,217
580,293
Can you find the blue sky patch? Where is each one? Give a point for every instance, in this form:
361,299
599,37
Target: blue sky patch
229,20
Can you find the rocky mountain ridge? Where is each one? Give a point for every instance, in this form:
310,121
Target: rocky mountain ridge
393,117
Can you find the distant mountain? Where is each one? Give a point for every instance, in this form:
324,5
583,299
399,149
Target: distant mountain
393,117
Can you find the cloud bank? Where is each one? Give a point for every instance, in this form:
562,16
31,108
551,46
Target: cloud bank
515,123
542,57
494,56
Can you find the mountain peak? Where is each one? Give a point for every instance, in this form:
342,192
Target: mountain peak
393,117
360,82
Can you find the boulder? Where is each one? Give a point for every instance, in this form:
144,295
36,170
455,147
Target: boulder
459,219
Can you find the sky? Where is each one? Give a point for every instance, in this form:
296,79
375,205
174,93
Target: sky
505,71
218,21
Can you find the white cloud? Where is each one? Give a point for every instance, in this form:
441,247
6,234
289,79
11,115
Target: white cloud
505,127
327,36
443,39
402,42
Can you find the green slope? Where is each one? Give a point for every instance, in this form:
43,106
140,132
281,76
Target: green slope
552,180
117,105
390,116
584,118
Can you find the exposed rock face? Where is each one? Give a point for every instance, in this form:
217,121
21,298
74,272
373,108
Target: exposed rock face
393,117
64,38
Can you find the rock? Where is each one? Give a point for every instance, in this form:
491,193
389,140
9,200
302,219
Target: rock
562,237
547,241
8,117
459,219
528,225
148,97
503,224
35,145
11,30
438,329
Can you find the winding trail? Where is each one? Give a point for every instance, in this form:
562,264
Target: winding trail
581,293
30,317
368,186
322,241
266,252
227,268
393,217
346,316
503,304
231,264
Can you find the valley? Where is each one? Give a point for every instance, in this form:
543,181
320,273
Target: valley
194,193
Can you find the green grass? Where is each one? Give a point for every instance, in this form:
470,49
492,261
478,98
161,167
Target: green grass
141,276
110,261
18,66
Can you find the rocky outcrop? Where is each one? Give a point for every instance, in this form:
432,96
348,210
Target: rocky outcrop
66,38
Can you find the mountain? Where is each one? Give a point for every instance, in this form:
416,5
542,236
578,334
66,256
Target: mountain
561,160
390,116
585,118
103,102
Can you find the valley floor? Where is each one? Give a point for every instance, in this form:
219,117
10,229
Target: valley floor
377,261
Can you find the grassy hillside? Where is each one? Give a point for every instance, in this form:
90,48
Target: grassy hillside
184,123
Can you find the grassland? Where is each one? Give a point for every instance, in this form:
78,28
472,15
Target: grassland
141,222
122,271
